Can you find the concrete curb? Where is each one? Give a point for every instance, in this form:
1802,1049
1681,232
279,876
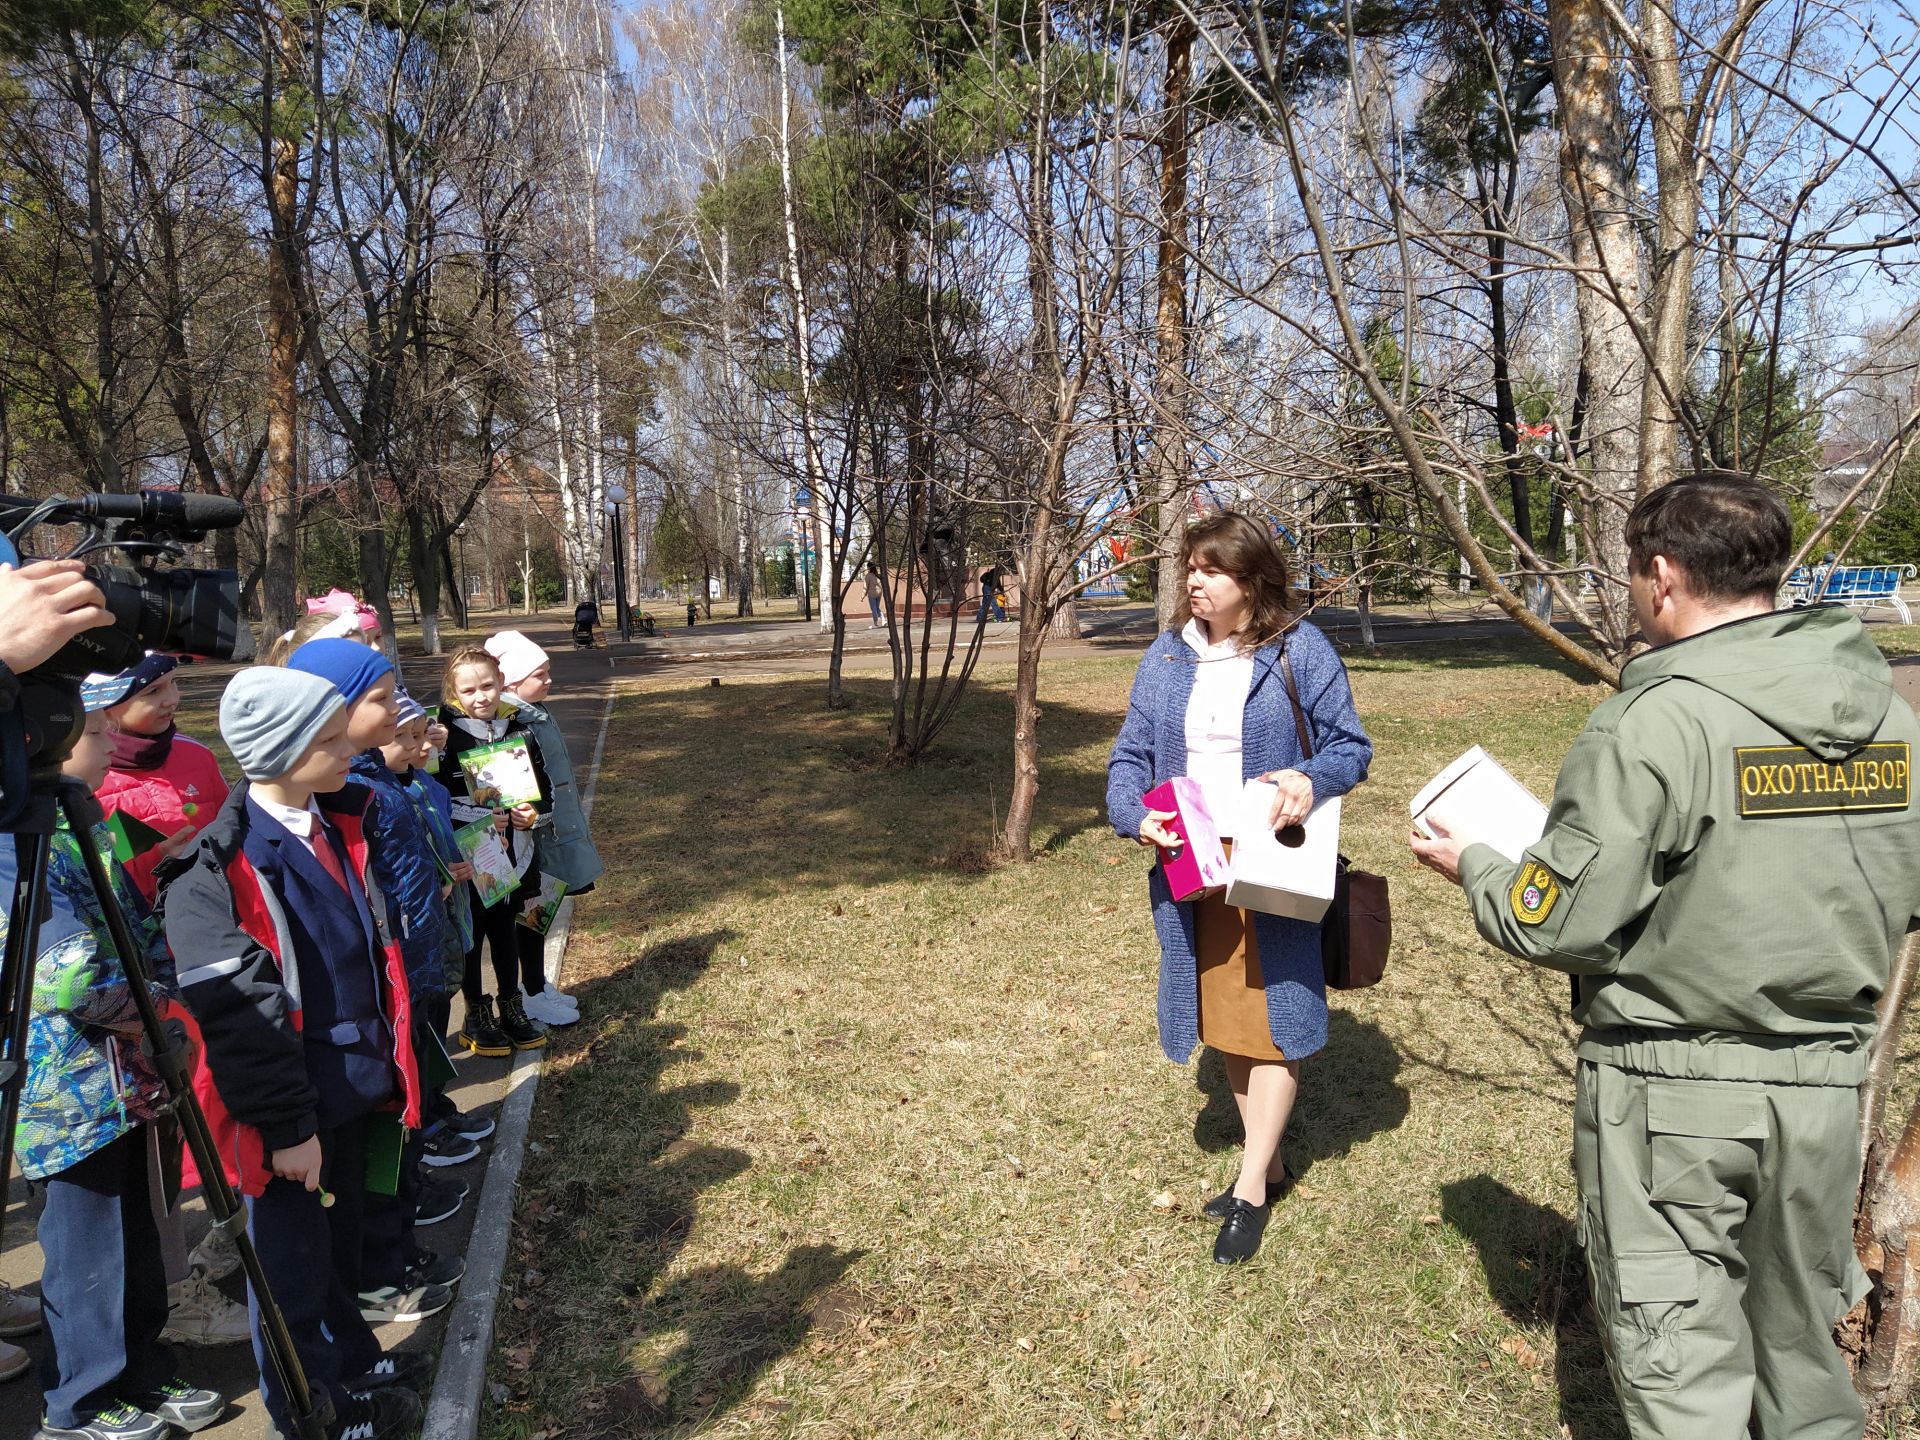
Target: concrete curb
453,1411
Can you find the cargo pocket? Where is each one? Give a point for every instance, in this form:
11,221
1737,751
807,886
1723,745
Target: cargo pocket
1703,1140
1656,1293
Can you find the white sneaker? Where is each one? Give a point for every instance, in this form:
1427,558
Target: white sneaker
19,1314
549,1011
198,1314
215,1256
559,999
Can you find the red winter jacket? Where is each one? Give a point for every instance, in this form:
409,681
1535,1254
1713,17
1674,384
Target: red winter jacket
161,797
231,938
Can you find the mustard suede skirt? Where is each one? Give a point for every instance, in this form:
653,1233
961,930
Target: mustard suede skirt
1233,991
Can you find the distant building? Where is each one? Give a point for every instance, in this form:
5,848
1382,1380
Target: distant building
1843,464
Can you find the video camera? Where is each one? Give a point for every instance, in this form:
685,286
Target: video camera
183,610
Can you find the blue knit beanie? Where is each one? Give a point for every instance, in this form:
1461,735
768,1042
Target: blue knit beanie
353,668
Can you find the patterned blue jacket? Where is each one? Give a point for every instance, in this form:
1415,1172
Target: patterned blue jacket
88,1081
1153,747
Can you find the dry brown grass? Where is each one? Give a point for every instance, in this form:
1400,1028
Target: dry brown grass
860,1140
862,1137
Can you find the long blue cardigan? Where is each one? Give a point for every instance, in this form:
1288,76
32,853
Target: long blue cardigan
1153,747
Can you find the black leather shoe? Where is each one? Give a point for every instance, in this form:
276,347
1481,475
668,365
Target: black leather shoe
1217,1207
1240,1234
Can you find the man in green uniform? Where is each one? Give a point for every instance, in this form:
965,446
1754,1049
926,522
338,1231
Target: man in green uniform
1731,858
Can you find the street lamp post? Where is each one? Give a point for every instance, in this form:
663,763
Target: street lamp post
623,620
460,539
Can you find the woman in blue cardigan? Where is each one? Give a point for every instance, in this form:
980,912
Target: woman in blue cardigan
1210,702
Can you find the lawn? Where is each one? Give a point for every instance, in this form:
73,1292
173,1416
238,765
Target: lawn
864,1137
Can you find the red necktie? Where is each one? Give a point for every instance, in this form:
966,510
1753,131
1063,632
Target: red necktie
329,858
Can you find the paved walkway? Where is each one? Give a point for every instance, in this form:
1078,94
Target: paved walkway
583,682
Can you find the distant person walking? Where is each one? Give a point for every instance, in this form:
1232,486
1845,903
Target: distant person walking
991,598
875,589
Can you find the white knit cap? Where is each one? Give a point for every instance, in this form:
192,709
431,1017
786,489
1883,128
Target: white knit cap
519,657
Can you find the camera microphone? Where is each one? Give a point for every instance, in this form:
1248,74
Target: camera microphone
181,508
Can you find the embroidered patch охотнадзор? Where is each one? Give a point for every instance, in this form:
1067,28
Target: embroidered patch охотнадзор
1536,890
1790,780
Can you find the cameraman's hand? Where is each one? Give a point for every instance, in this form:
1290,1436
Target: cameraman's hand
525,817
47,603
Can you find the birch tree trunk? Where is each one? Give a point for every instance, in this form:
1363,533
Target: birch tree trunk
802,327
1167,460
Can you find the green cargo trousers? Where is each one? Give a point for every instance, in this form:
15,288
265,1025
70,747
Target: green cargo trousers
1717,1218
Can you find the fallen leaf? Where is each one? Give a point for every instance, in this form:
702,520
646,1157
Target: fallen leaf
1116,1411
1023,1343
1521,1349
1429,1219
1113,859
1164,1200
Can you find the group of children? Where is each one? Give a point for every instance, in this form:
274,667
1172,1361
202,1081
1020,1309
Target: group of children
308,926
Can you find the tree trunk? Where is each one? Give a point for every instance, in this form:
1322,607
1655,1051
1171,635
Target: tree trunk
1598,185
1065,624
1890,1246
1017,841
280,480
1167,477
802,327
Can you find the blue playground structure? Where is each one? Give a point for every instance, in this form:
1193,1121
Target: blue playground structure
1859,587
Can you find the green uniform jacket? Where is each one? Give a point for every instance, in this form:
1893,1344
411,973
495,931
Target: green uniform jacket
1731,858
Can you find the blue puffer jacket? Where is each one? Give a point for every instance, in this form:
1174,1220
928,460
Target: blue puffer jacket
404,865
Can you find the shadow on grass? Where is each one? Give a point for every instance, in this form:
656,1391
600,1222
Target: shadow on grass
1535,1273
1348,1093
747,791
1552,1043
607,1215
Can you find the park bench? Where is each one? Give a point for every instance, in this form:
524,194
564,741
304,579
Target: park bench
1859,587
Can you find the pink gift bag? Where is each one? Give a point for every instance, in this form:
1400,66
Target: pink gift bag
1199,863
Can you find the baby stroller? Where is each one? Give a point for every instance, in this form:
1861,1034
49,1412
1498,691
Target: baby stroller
586,625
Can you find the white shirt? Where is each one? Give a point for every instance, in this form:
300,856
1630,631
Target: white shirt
298,823
1214,715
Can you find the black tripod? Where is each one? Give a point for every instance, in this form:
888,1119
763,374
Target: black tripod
166,1044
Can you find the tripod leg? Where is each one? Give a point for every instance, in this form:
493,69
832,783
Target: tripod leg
312,1411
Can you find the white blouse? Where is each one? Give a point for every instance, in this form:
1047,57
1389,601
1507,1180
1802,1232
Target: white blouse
1214,714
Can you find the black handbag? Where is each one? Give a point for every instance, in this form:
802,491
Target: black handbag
1357,931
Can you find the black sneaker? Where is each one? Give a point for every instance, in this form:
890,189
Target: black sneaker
439,1199
118,1422
183,1406
396,1367
447,1147
443,1112
385,1413
524,1034
427,1268
403,1303
481,1033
